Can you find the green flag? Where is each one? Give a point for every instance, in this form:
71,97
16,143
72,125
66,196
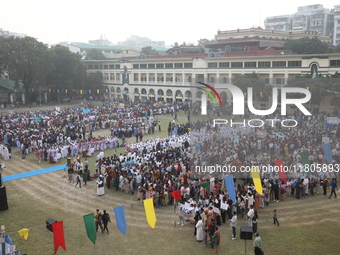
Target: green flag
204,185
90,227
305,161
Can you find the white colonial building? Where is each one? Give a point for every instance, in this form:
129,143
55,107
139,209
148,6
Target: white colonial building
169,78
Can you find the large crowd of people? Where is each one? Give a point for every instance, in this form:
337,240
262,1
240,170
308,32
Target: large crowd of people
157,167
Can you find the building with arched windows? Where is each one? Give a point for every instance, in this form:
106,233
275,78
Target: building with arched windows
175,77
171,78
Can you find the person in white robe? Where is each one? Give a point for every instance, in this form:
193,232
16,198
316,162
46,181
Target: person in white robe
100,186
100,155
199,227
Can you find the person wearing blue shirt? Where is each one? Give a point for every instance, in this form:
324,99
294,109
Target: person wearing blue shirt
334,186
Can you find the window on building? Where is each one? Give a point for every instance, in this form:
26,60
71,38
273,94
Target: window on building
279,81
224,64
214,64
135,66
236,64
249,64
118,77
169,65
151,66
111,66
159,65
212,79
143,66
279,63
266,81
96,67
90,67
187,65
335,62
294,63
106,67
224,80
117,66
263,64
178,65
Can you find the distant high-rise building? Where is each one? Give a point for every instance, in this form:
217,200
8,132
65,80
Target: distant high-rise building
336,32
310,18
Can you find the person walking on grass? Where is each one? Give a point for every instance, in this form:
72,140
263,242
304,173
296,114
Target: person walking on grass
98,217
106,219
233,224
275,218
78,180
254,222
334,186
324,184
257,244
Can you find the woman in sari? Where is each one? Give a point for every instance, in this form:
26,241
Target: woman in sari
216,239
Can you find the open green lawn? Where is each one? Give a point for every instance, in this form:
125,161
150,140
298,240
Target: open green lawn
307,226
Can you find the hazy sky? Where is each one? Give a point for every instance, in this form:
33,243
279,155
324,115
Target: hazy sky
169,21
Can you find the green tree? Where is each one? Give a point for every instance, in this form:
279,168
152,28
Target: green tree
94,54
306,45
148,50
319,86
336,49
26,60
203,41
243,81
68,71
94,80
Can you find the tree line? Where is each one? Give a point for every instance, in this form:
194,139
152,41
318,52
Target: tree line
35,65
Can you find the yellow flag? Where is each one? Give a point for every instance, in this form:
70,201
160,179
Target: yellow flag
261,94
24,232
256,179
81,91
150,212
97,91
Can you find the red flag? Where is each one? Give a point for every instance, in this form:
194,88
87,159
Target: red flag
58,235
280,165
176,195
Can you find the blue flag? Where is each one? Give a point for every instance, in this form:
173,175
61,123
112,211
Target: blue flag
8,239
229,183
120,218
327,152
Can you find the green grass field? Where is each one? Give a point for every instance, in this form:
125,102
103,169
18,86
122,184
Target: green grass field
307,226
